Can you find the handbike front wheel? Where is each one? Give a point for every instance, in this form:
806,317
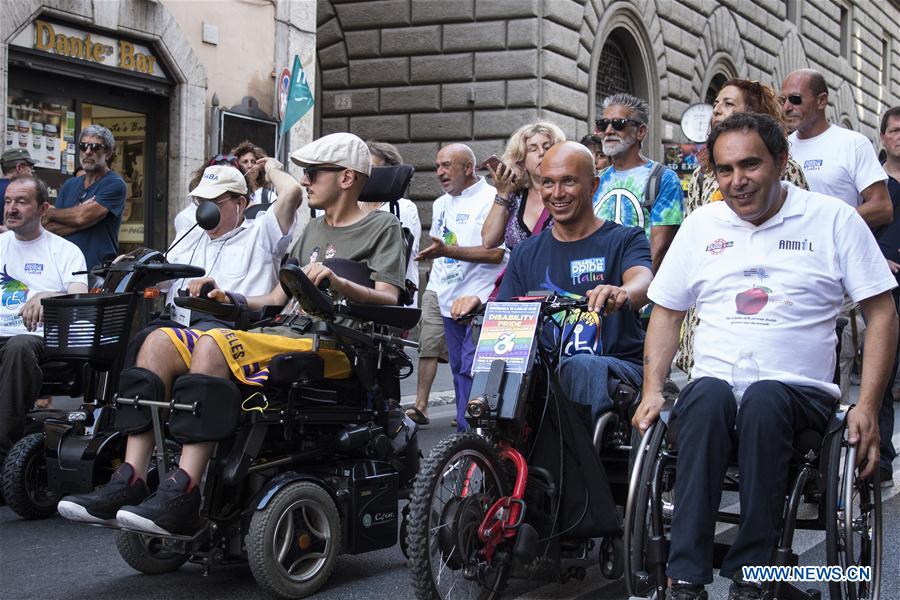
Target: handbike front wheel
456,485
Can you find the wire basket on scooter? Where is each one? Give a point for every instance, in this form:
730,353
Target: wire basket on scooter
87,326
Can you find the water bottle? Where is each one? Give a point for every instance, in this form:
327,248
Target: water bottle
744,372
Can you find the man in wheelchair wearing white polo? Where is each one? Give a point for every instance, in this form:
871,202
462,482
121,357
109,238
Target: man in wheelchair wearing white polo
767,270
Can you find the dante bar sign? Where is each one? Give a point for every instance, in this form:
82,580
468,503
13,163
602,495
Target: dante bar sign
63,40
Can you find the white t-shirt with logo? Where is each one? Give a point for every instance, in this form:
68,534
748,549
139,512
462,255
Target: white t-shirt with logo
44,264
244,260
838,162
775,289
457,220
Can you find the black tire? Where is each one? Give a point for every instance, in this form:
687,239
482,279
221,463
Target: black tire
485,481
146,554
612,557
641,580
274,540
864,547
25,485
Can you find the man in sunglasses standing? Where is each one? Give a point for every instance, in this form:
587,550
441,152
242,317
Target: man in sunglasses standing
837,162
88,210
636,191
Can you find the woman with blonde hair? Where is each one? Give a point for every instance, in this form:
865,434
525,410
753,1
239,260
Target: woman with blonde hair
735,96
518,211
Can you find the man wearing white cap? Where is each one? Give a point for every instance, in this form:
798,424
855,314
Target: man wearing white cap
239,255
335,169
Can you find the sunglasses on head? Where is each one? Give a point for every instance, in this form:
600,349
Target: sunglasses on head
795,99
224,159
617,124
92,146
312,170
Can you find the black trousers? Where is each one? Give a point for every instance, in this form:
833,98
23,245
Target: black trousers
20,383
708,426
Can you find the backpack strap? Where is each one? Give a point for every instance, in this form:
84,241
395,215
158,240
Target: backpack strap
652,188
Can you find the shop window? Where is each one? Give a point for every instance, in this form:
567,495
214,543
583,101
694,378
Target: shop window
129,130
45,126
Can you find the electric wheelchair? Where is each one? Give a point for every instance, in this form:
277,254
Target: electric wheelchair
305,468
65,451
528,489
822,473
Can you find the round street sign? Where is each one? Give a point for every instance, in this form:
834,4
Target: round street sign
695,122
284,86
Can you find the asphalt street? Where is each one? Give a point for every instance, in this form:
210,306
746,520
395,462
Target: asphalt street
55,559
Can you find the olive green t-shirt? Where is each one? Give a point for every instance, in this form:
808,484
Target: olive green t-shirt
374,240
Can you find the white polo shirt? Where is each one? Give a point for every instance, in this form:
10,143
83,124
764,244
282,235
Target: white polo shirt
244,260
457,220
775,289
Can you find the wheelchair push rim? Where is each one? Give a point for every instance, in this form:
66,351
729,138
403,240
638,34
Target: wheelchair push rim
853,526
458,483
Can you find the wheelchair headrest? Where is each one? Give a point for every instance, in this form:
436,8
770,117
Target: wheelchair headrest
387,184
253,211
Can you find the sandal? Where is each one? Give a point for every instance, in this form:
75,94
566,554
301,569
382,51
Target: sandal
417,416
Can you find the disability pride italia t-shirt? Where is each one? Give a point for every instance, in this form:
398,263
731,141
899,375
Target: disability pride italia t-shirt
572,269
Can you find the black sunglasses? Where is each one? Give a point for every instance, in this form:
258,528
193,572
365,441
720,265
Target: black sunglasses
312,170
795,99
618,124
92,146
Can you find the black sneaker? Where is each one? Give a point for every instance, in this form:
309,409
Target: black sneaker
887,477
745,590
100,506
687,591
169,511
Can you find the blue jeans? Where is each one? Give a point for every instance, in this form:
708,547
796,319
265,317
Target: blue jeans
585,379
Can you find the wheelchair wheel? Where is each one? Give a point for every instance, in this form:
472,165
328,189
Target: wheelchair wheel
25,485
292,544
458,482
853,523
147,554
640,576
612,559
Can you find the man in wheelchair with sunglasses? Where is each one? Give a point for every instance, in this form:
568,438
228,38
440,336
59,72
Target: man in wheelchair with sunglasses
766,270
192,363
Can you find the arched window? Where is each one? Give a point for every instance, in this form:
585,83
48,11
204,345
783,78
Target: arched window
715,86
613,72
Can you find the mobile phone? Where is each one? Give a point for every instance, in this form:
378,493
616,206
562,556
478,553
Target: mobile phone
490,162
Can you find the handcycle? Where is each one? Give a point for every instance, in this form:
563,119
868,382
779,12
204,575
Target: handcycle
309,467
524,492
822,472
66,451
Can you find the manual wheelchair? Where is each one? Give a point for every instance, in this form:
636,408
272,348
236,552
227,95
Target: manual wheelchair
822,472
527,490
313,468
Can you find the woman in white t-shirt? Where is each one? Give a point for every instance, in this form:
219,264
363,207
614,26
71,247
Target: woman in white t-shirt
386,155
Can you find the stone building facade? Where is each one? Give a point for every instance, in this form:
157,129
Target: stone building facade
420,73
204,58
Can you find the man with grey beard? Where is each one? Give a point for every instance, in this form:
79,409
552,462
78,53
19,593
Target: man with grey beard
636,191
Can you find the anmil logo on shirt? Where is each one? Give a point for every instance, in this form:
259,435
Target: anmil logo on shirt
587,270
34,268
462,218
795,245
812,165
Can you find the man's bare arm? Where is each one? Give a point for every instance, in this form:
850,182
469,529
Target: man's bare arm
78,217
660,346
876,209
661,237
878,357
